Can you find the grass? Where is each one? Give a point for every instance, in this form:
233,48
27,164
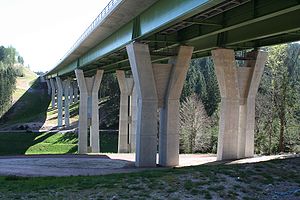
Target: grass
23,82
29,107
156,184
49,143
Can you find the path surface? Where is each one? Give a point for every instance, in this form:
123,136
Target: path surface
74,165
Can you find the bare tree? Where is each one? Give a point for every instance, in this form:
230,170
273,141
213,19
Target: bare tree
194,123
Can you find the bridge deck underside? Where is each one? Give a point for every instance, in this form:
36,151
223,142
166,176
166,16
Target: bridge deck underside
232,24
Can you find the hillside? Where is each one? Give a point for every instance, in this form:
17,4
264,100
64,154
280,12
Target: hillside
30,102
24,83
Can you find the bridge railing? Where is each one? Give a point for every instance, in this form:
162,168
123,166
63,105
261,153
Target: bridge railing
108,8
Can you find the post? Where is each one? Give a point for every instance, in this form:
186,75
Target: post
67,102
238,88
75,93
132,127
48,86
126,86
89,87
59,102
159,87
53,91
169,113
146,133
71,92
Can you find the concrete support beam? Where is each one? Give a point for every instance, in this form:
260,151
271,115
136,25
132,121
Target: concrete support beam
71,92
75,92
53,92
169,112
88,111
67,102
132,114
146,134
126,87
59,101
48,86
238,88
158,86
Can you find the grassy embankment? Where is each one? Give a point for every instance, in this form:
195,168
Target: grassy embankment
49,143
277,179
32,105
30,101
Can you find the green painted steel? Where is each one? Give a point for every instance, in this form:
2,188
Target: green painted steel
116,40
164,13
252,24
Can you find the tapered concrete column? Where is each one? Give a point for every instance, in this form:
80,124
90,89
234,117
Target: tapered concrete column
158,86
67,102
249,77
48,86
238,87
175,75
75,93
71,92
146,132
89,88
59,102
126,86
132,114
53,91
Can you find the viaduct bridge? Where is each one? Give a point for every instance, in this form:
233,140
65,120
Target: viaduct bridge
149,45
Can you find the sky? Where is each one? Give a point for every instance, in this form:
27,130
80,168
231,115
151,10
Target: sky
42,31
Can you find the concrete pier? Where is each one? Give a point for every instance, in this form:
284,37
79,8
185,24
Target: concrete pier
126,87
88,111
169,111
158,86
66,85
59,101
53,92
48,87
238,88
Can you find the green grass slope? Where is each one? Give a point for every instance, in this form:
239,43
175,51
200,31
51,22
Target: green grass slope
30,101
50,143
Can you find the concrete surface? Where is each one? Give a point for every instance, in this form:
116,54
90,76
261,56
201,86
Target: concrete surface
146,124
126,87
100,164
238,88
88,110
52,84
59,101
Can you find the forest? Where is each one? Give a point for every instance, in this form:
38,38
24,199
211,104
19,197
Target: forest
9,71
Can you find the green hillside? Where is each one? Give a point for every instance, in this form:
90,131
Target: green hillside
30,101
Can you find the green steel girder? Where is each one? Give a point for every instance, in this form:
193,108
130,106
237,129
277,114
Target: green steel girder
253,24
238,37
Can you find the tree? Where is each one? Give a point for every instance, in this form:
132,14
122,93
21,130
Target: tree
278,101
202,81
194,123
10,56
2,53
20,60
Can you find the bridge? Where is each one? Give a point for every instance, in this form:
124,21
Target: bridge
149,44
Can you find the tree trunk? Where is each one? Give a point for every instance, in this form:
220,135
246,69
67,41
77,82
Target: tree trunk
281,135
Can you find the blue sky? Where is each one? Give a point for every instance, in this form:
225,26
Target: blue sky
43,30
